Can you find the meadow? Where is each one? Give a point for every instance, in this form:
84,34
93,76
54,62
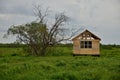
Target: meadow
59,64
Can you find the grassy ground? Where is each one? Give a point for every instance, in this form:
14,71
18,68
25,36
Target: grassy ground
15,65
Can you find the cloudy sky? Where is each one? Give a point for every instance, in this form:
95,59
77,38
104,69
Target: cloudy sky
101,17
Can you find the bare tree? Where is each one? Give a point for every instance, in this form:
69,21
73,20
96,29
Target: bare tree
39,35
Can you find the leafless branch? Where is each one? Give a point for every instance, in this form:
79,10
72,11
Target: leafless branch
40,13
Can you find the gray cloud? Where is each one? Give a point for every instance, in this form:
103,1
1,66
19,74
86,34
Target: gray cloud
15,7
100,16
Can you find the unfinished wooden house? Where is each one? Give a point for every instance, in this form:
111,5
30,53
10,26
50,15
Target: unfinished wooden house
86,43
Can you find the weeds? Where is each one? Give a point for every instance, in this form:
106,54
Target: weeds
15,65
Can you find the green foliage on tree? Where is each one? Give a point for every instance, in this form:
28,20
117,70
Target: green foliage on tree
39,35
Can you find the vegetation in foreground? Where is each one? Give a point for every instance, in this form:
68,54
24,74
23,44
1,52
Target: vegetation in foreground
60,65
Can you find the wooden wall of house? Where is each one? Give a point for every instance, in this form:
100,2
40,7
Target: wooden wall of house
96,46
76,46
93,50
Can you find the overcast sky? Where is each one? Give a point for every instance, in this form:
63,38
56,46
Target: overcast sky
101,17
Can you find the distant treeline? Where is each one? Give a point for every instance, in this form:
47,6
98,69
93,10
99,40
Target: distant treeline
13,45
109,46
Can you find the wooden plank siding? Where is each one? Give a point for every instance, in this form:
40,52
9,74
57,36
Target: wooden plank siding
95,50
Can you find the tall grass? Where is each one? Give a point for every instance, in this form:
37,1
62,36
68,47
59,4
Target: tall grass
59,65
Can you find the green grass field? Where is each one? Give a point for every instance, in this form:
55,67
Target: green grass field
59,65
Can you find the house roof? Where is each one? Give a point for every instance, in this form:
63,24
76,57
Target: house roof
93,35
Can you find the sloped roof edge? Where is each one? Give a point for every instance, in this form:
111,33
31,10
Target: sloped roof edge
87,31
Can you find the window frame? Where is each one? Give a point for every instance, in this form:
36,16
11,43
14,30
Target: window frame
86,44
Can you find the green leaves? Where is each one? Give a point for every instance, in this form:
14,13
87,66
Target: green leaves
33,34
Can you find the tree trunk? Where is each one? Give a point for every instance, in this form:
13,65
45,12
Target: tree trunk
43,51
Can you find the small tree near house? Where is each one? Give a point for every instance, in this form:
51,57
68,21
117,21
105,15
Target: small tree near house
39,35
